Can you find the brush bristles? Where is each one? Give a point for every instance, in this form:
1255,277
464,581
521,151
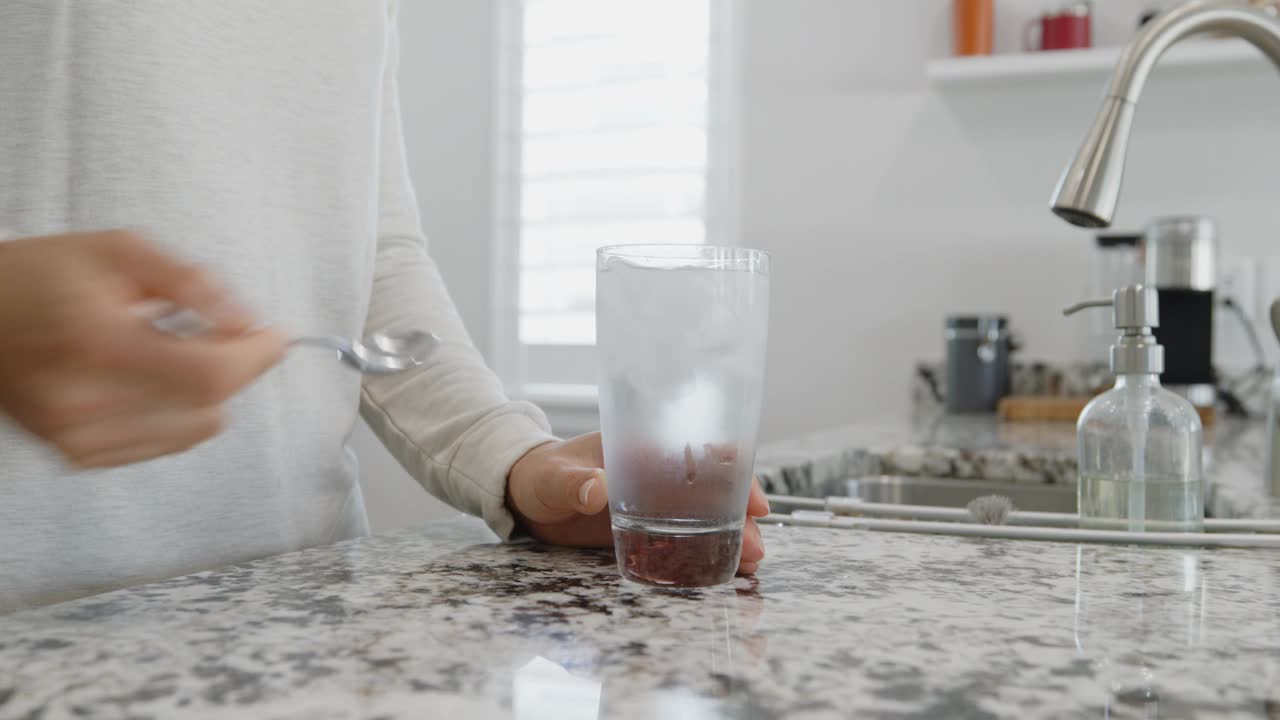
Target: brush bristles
990,509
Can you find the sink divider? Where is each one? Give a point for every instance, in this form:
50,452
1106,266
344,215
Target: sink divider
1012,532
932,515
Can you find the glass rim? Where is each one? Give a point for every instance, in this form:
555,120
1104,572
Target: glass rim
648,251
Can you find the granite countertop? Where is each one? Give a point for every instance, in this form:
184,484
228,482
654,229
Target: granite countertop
438,621
982,447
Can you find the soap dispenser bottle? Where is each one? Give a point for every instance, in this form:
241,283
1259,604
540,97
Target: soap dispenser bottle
1139,443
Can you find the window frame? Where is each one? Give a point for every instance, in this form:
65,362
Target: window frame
571,403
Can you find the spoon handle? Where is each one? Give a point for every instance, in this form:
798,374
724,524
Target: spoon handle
328,343
185,323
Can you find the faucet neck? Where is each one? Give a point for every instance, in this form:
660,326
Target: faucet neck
1229,17
1089,190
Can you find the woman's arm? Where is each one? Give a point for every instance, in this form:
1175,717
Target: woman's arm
449,422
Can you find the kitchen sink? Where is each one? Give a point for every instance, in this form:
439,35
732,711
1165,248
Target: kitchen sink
947,492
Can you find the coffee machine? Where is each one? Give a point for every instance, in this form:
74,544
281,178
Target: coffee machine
1181,264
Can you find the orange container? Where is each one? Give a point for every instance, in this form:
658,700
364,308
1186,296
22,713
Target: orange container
974,22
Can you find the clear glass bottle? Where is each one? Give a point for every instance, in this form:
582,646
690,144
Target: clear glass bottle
1272,478
1139,443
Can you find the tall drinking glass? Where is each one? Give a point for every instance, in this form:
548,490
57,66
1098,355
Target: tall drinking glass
681,333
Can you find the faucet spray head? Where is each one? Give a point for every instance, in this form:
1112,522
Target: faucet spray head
1090,187
1089,190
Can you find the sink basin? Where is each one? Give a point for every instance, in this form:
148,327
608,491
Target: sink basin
946,492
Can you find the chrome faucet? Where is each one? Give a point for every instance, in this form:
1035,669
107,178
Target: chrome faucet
1089,189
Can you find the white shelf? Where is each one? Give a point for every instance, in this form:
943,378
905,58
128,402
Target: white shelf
1099,62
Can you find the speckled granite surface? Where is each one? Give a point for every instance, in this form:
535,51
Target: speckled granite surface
928,381
437,622
981,447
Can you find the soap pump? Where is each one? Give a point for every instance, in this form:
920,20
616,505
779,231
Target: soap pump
1139,443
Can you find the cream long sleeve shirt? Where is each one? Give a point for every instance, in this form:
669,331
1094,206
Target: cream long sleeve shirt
262,140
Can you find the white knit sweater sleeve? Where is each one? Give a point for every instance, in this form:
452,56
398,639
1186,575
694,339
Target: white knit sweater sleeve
449,422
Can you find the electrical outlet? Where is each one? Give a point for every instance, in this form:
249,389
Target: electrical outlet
1238,280
1270,291
1270,285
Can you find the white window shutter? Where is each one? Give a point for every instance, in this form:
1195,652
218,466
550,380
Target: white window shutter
616,125
612,143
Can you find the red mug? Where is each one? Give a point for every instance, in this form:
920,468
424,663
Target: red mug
1064,30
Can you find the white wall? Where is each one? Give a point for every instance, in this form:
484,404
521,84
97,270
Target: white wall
886,203
447,67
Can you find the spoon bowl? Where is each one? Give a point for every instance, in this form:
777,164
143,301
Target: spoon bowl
393,353
379,354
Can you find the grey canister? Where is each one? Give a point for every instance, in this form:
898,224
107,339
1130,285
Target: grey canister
977,368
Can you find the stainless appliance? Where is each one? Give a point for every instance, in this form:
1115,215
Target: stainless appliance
1181,264
1118,263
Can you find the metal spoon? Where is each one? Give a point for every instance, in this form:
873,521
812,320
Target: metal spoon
378,354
